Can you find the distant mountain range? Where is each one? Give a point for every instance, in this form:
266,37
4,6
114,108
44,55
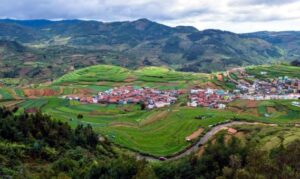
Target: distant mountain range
43,49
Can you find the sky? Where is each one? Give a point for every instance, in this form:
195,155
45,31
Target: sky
232,15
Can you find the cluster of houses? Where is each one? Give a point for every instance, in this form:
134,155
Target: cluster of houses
281,88
152,98
213,98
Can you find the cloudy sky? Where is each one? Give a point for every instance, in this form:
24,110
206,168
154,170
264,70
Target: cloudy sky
232,15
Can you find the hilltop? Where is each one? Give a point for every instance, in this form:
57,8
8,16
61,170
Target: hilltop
110,73
50,49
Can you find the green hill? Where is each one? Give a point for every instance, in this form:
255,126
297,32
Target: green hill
106,75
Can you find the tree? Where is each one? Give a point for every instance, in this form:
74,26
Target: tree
79,116
295,63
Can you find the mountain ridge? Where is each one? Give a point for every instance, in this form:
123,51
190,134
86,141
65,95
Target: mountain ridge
69,44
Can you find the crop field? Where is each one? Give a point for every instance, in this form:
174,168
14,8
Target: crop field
275,111
274,71
96,73
8,93
5,94
106,76
269,137
159,132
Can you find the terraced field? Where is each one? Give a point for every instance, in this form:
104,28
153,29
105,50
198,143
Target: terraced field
159,132
8,93
274,71
96,74
106,76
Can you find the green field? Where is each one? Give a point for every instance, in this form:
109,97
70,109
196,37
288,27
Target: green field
105,76
274,71
159,132
269,137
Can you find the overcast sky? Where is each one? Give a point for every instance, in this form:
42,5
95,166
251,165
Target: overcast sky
232,15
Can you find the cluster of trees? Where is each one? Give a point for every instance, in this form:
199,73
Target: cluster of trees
34,145
295,63
231,159
32,128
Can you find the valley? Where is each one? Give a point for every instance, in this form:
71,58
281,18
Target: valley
158,132
149,89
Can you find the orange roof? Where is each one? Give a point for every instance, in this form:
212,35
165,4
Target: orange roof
231,131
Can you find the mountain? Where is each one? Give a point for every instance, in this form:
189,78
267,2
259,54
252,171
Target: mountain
56,47
289,41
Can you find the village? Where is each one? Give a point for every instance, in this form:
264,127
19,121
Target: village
280,88
213,98
151,98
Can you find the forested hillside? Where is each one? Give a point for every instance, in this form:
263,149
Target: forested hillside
41,50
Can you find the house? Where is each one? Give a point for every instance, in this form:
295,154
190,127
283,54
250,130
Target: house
221,106
251,90
192,104
161,104
263,72
296,103
219,77
231,131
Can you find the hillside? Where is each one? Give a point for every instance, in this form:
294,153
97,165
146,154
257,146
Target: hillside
289,41
54,48
99,73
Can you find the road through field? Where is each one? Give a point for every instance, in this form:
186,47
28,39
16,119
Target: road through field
201,141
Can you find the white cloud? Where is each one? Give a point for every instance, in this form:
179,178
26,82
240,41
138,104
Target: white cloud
233,15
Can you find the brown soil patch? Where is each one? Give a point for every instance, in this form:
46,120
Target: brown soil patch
130,79
40,92
251,104
101,83
253,111
235,109
240,135
195,134
271,109
208,85
200,151
85,91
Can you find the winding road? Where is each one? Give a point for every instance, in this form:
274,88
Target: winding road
201,141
